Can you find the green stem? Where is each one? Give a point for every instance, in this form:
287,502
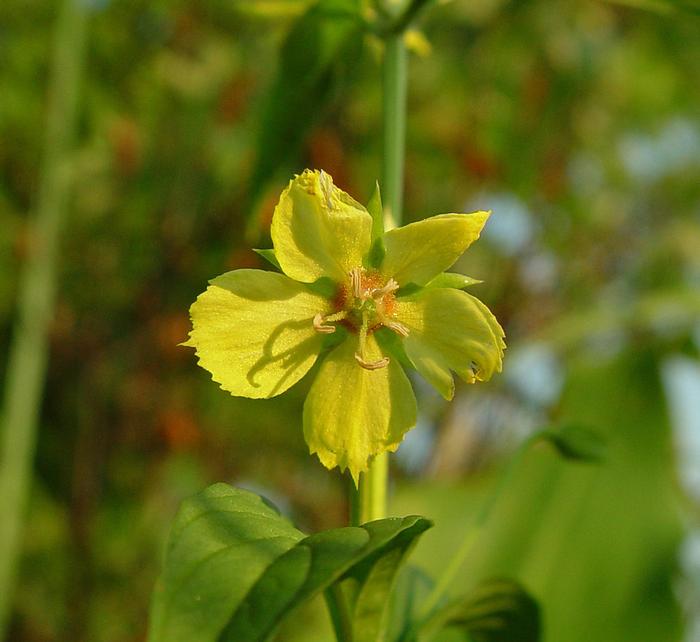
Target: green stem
409,15
373,487
476,527
395,73
373,483
29,350
339,612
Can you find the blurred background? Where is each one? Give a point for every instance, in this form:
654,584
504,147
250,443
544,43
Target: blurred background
576,122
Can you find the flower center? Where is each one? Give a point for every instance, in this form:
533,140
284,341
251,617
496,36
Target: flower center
365,303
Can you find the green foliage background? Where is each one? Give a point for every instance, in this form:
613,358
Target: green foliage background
583,114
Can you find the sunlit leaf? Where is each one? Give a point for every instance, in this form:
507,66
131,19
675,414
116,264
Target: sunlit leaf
234,568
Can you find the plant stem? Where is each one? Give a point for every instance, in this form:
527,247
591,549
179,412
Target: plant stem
373,487
409,15
476,527
339,612
29,350
395,72
373,483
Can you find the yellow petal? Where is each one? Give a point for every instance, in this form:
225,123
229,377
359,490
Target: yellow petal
253,331
319,230
420,251
451,330
353,414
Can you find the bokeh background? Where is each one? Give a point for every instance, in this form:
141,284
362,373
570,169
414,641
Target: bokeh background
576,122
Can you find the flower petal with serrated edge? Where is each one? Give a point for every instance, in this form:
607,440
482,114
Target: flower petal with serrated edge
253,331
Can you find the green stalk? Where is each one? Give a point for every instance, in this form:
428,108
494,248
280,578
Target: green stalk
373,483
395,73
341,617
476,527
29,350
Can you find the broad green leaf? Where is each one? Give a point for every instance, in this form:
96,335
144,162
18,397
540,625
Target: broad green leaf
576,442
497,611
303,83
269,256
221,543
367,556
234,567
374,578
451,280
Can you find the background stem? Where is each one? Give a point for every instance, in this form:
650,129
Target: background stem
29,350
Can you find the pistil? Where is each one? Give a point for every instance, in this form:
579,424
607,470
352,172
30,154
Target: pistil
359,355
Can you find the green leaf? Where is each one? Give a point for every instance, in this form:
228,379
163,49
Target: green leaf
451,280
303,83
234,568
577,443
324,286
220,544
375,208
269,256
498,610
374,577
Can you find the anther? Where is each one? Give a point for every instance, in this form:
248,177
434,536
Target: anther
322,327
391,286
356,282
372,365
397,327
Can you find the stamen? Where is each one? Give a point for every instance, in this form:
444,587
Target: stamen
321,323
356,282
391,286
397,327
321,327
372,365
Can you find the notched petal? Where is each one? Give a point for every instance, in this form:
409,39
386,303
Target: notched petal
318,230
253,331
418,252
352,414
451,330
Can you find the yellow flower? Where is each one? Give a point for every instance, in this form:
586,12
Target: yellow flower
372,301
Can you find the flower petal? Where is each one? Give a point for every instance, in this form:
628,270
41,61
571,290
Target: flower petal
451,330
253,331
319,230
353,414
418,252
